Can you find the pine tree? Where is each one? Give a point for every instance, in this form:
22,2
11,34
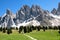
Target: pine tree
59,29
30,29
0,28
25,30
38,28
20,29
4,30
43,28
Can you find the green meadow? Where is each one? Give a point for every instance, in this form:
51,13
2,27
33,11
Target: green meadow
38,35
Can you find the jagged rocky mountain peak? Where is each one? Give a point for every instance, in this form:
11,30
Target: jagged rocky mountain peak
35,8
54,11
58,6
8,11
27,15
58,9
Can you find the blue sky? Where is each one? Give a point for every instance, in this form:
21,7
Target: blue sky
15,5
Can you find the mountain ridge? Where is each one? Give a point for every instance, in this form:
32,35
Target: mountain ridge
28,16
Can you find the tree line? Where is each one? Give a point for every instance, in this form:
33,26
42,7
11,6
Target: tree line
28,29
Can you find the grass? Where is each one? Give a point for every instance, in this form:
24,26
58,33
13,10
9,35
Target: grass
39,35
47,35
14,36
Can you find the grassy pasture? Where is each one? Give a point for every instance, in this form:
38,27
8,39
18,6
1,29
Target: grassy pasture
39,35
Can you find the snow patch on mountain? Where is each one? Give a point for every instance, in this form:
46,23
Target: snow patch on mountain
22,12
4,15
56,20
55,16
30,23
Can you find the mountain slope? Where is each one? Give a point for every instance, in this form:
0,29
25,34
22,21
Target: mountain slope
27,16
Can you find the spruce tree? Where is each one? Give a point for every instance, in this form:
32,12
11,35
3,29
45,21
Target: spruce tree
44,28
4,30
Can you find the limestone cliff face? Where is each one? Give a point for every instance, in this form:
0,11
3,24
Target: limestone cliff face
27,14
